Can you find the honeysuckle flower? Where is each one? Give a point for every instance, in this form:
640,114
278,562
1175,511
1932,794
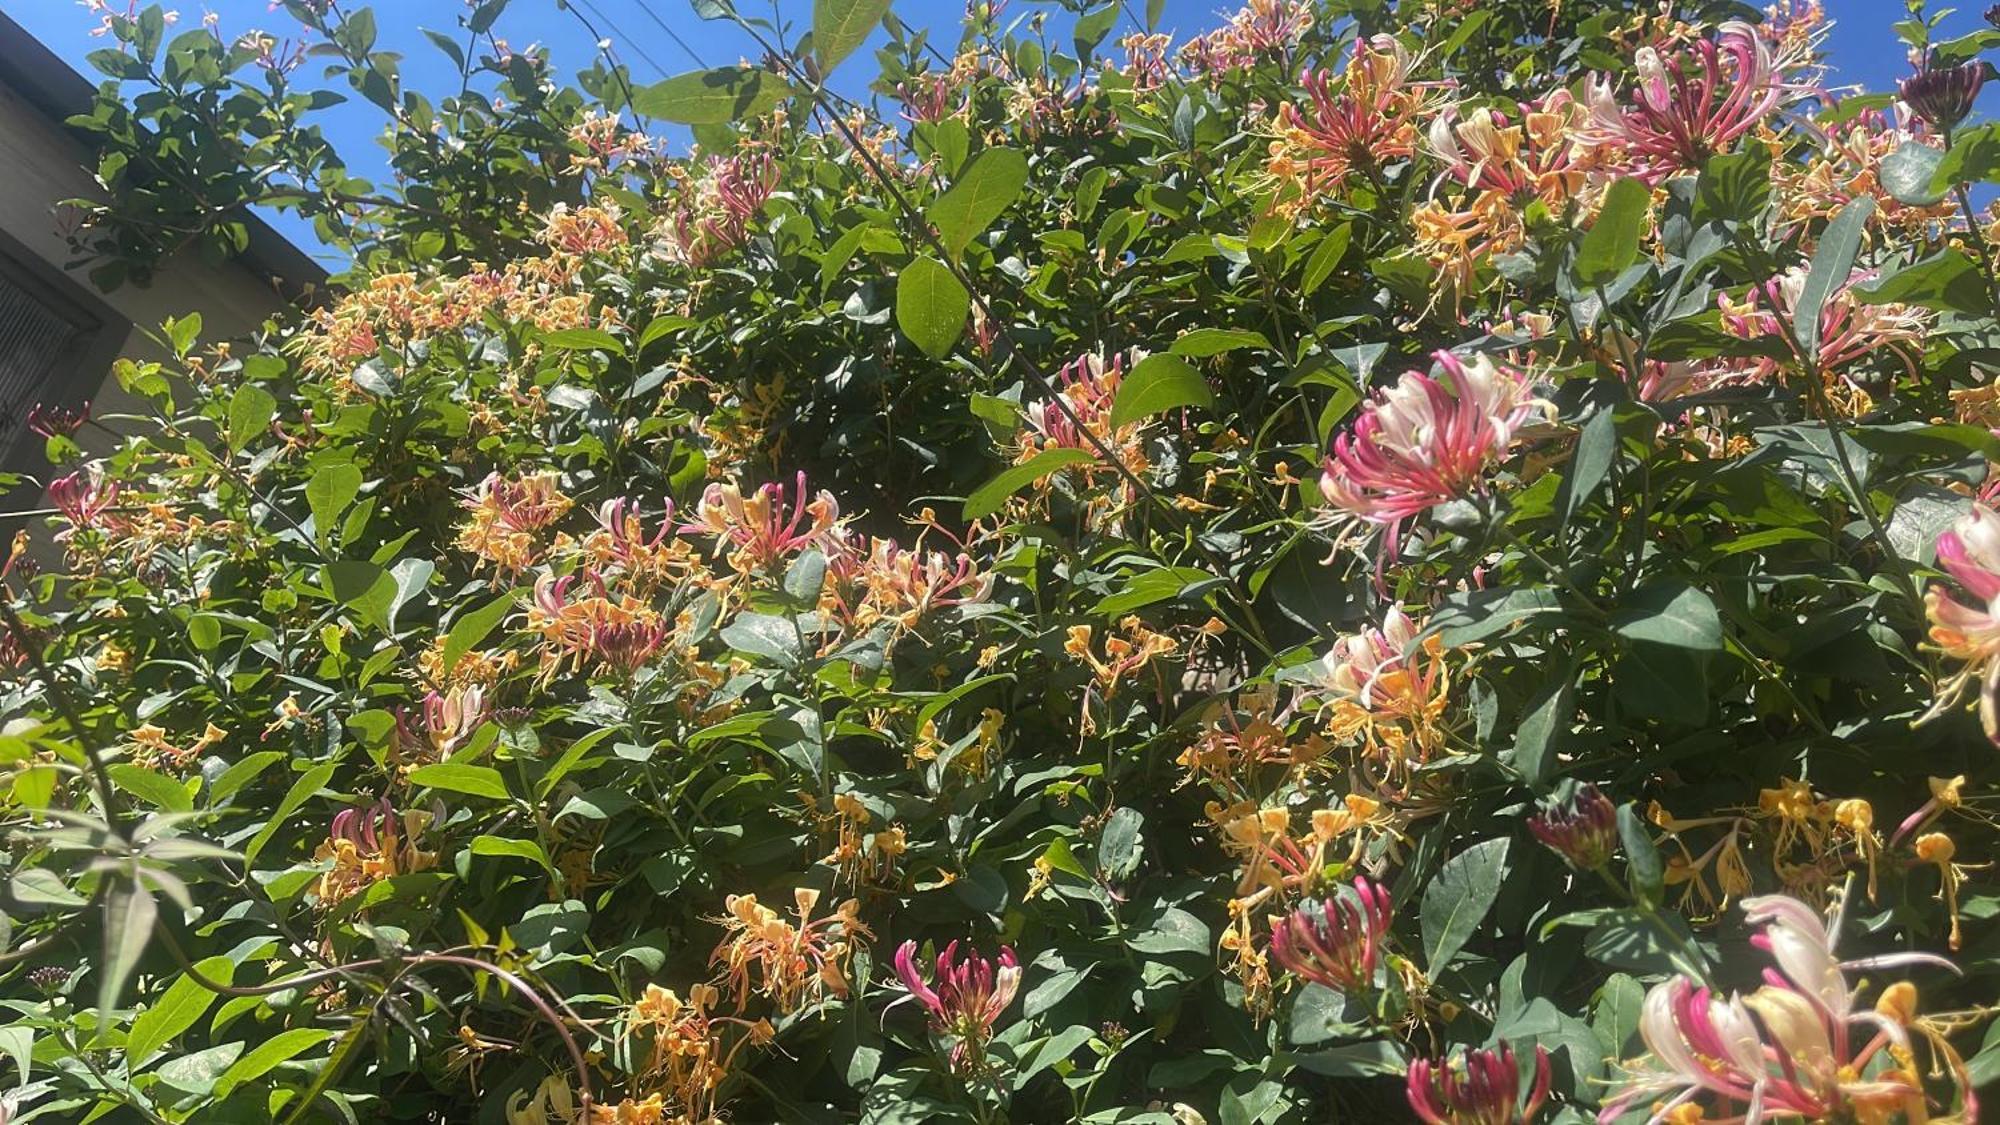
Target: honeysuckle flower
48,421
622,545
503,516
1847,165
1938,850
1337,942
1088,385
1582,828
1943,95
1362,121
578,231
1260,30
716,206
1123,654
1851,334
368,844
446,720
965,998
1425,441
1687,107
791,964
1386,689
621,634
1970,552
1796,1047
763,529
1536,157
1483,1088
84,498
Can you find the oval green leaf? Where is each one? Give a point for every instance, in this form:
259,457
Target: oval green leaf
931,306
989,496
1159,383
989,186
711,97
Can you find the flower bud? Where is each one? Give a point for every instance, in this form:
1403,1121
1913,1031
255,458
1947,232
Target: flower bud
1483,1089
1582,828
1943,95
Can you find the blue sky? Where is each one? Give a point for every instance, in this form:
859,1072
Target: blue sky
1861,47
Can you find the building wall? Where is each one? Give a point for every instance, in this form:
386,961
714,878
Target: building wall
43,165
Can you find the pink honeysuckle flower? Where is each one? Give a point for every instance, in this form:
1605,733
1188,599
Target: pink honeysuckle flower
1786,1050
762,527
1969,551
1483,1089
1424,441
1337,942
1688,107
1533,158
969,997
1088,384
84,498
451,717
1849,332
48,421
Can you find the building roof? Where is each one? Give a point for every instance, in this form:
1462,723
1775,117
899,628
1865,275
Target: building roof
47,83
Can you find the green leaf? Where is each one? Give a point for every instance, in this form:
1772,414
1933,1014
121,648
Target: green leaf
988,497
1832,264
1907,174
1118,847
182,332
1171,583
1974,158
1325,257
989,186
765,635
196,1074
461,777
1092,27
1175,931
1612,243
411,577
129,913
43,887
712,97
1458,899
1596,447
241,773
1671,613
363,587
309,783
268,1055
184,1002
1645,871
1158,383
1948,281
1204,342
515,849
1542,730
330,490
468,629
251,411
931,306
584,339
154,788
841,26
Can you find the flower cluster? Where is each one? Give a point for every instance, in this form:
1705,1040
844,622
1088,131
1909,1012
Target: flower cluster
1425,441
1799,1045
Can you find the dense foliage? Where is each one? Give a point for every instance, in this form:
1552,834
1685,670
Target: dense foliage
1428,559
